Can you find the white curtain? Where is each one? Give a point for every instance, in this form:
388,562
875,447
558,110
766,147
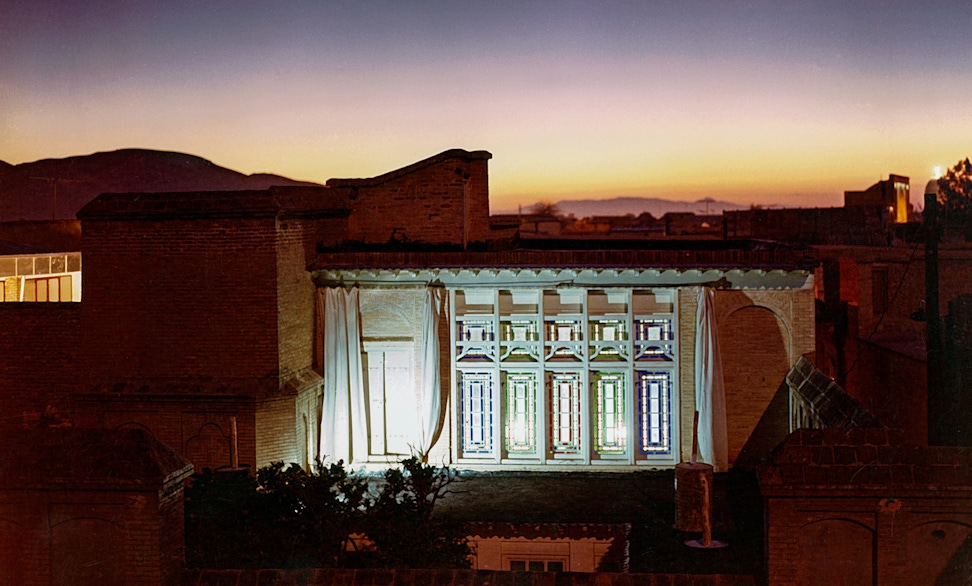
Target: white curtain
430,408
710,393
344,427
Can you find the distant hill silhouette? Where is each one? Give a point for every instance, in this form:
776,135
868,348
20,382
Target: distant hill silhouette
657,207
27,191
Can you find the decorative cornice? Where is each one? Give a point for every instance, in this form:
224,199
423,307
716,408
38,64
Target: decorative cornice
560,277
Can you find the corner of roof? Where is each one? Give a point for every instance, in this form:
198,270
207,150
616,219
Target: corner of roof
434,159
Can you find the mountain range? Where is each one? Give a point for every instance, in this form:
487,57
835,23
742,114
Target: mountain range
55,189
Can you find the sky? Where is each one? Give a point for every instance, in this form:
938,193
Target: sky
770,103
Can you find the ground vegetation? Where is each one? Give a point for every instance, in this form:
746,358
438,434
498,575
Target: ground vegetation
286,517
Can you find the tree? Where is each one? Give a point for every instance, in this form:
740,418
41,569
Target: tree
286,517
955,197
545,208
402,526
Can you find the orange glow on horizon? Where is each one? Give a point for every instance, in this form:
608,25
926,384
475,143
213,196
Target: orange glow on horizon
672,105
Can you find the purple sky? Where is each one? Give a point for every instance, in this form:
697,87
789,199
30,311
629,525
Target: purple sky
757,102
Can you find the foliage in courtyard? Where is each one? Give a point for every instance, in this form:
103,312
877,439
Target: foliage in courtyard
286,517
401,523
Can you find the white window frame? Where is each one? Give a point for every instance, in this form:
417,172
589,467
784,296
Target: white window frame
374,418
490,360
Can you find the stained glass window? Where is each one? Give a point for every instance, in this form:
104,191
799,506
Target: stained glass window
566,375
654,339
474,339
521,412
476,389
565,412
654,411
609,412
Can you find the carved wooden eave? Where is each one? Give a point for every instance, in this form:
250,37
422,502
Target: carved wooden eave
559,277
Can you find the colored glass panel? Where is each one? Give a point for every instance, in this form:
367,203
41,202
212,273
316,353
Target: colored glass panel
609,412
476,390
565,414
654,411
521,413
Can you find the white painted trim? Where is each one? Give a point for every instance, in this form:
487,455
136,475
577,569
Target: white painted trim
552,278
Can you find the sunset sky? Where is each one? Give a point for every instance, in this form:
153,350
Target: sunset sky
782,103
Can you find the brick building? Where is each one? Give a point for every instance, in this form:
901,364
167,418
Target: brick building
870,334
199,307
892,194
90,507
871,217
861,506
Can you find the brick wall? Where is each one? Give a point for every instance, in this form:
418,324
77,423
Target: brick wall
891,385
197,308
180,299
276,437
444,198
90,507
861,506
308,418
172,538
39,348
864,225
883,354
47,236
687,307
198,427
296,311
904,266
761,334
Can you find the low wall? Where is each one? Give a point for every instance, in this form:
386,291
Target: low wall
316,577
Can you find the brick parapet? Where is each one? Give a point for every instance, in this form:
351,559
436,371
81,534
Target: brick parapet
632,257
445,577
837,462
277,201
442,199
828,401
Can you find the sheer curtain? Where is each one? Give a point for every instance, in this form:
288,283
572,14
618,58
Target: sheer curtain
710,394
430,408
344,427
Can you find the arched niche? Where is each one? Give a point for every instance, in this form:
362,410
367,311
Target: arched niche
135,425
87,552
939,550
837,552
208,448
755,348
